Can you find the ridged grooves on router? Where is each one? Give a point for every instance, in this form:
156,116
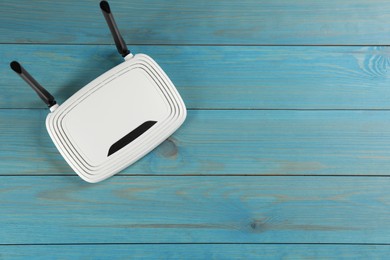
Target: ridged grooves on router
141,146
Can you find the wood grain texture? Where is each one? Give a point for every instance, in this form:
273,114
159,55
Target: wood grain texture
231,77
226,143
266,123
65,209
195,251
199,22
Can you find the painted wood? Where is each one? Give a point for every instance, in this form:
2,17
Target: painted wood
195,251
199,22
226,142
233,77
212,52
199,209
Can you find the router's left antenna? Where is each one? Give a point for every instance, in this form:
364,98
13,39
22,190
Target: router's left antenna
41,91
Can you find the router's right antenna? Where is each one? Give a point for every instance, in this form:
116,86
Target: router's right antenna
120,43
41,91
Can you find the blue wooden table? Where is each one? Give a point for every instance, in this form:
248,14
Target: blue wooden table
285,151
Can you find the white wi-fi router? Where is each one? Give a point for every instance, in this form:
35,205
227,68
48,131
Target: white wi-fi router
117,118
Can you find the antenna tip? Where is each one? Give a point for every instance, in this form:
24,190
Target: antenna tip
15,66
105,6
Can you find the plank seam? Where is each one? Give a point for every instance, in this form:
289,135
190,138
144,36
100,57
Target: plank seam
238,109
198,44
202,175
196,243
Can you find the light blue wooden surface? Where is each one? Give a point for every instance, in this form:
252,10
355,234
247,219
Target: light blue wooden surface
195,251
218,77
195,209
261,142
297,89
255,22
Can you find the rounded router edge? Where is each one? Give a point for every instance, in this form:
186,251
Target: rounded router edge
117,118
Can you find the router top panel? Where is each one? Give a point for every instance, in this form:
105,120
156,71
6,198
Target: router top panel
117,118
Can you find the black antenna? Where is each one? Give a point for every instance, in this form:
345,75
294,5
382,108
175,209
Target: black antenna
120,43
41,91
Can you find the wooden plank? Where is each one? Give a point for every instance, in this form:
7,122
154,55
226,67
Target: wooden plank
217,77
199,22
195,251
226,143
235,209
